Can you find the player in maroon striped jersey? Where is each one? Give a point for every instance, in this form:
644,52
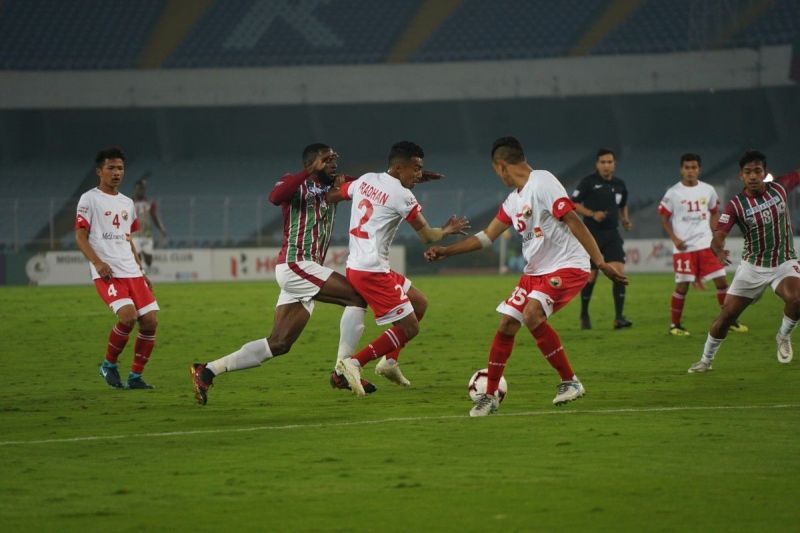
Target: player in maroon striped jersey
762,213
307,225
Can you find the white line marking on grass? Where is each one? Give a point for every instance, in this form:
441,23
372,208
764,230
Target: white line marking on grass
400,419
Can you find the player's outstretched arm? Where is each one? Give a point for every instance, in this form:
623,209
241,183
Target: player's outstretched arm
483,239
82,240
790,181
429,175
577,227
455,225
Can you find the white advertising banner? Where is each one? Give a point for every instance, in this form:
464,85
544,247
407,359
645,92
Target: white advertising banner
655,255
234,264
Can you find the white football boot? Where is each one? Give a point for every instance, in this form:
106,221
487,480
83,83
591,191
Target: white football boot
390,369
351,371
568,391
485,405
701,366
785,352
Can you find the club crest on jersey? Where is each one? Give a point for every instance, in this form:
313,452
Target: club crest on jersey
124,215
527,211
555,282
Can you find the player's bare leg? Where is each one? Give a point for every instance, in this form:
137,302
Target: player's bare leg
117,340
721,283
145,342
549,343
676,309
728,315
288,324
337,290
618,294
789,291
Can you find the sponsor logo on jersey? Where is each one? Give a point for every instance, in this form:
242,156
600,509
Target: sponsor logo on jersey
724,218
109,236
537,232
83,209
108,213
555,281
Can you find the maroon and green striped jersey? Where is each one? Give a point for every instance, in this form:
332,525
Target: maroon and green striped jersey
307,217
765,222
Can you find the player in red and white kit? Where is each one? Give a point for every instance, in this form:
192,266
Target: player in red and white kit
689,212
381,201
103,227
557,247
147,215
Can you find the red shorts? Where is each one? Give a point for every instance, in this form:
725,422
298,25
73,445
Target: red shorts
385,293
553,291
701,264
119,292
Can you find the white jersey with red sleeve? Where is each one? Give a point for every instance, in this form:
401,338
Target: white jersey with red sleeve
535,211
380,204
690,210
110,219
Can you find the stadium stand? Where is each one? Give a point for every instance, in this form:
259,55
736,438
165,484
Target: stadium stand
90,34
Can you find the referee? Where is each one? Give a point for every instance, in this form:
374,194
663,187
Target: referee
602,199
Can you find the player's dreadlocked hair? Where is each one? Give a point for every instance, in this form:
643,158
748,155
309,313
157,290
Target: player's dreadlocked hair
113,152
405,150
508,149
311,151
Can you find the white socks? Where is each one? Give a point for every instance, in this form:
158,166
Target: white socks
249,355
711,347
351,327
787,325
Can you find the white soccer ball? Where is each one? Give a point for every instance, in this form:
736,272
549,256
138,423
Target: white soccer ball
477,385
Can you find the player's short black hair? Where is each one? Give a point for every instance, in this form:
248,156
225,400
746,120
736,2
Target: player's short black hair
605,151
508,149
310,152
112,152
689,156
405,150
750,156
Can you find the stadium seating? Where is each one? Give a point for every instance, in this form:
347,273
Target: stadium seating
90,34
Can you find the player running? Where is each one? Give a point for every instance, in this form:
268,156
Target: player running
104,223
307,225
769,258
557,247
381,201
689,211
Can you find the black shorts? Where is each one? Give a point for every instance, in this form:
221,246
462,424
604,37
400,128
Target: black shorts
610,244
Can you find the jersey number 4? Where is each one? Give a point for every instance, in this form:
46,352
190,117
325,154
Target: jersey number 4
116,221
366,205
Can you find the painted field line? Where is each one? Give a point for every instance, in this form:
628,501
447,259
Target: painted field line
552,412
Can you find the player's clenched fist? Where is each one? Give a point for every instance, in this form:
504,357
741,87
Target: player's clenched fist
434,253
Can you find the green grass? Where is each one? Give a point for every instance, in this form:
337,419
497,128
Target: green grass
400,460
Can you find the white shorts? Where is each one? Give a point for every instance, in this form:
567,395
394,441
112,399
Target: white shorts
144,245
749,281
300,282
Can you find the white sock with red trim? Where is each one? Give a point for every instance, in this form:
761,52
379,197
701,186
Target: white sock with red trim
249,355
351,327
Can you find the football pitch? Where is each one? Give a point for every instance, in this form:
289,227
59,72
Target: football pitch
649,447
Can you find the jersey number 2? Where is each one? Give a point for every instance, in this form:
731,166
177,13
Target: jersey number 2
366,205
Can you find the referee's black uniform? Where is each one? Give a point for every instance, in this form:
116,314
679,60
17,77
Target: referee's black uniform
610,196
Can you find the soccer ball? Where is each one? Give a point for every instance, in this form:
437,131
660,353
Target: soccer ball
477,385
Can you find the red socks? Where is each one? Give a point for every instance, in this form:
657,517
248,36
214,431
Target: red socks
394,354
389,342
498,355
677,307
117,340
145,342
548,342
